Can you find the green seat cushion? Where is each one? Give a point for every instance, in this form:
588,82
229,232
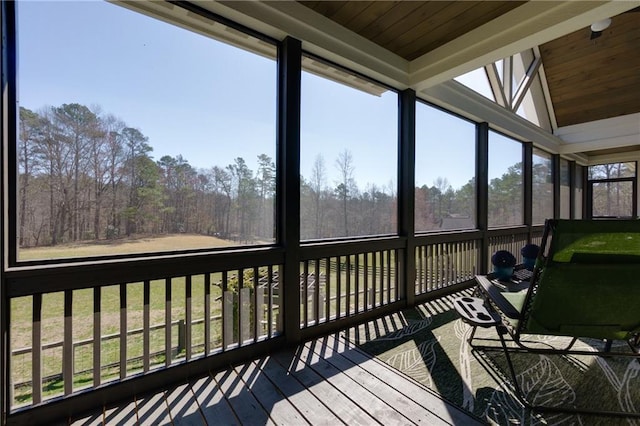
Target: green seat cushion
517,301
586,300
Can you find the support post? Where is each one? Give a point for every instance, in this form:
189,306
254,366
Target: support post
406,191
527,196
482,192
288,180
555,168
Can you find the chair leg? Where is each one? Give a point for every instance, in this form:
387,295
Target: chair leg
634,344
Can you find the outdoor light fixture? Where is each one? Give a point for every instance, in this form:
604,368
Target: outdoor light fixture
598,27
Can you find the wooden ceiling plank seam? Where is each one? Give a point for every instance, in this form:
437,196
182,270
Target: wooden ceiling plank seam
420,25
597,88
327,8
624,102
593,87
447,26
393,17
620,47
373,12
467,19
350,11
623,98
591,79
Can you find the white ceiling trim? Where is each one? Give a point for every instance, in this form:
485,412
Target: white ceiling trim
614,158
616,126
616,132
320,36
529,25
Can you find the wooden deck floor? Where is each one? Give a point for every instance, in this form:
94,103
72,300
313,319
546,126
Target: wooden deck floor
325,381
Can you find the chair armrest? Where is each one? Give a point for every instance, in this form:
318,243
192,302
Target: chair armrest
497,298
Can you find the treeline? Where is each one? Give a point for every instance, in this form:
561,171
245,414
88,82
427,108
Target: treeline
85,175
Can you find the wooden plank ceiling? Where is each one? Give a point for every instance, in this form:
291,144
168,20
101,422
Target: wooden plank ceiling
411,28
595,79
588,79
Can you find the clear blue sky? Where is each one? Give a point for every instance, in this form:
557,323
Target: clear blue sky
205,100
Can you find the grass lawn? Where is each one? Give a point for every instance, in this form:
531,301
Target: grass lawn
52,312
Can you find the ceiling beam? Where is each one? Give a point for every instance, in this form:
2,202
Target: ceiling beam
529,25
319,35
610,133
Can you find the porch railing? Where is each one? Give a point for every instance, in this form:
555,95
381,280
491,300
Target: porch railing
80,326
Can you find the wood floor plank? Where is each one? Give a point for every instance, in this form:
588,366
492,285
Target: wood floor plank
332,397
153,409
124,414
213,404
371,402
183,406
314,411
416,413
244,404
410,388
94,419
280,410
327,381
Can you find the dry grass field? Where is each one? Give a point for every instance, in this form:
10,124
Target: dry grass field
133,245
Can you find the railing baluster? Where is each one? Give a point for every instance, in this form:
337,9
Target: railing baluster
388,253
304,285
240,322
396,273
421,264
258,309
365,283
67,349
36,351
188,316
339,287
348,285
374,284
146,324
97,336
270,304
207,314
327,286
357,283
168,345
227,312
123,331
440,267
431,267
316,308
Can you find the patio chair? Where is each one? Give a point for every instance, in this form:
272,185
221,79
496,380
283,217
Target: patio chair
585,285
